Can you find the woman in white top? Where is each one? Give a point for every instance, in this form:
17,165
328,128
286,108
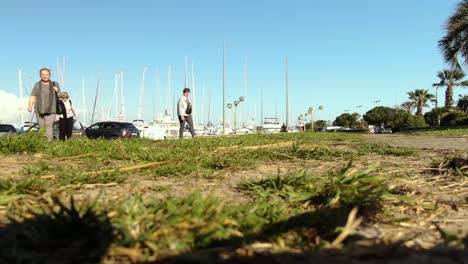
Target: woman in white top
67,117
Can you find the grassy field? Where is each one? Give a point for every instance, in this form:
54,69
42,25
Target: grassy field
244,199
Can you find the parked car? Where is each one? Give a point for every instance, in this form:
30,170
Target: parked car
7,130
383,130
78,129
112,130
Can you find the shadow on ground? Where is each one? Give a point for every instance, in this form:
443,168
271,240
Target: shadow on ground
320,223
63,235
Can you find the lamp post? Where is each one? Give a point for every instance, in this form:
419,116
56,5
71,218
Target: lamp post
236,104
311,113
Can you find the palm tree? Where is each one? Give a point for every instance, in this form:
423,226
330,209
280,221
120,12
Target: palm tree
455,42
450,79
462,103
420,98
408,106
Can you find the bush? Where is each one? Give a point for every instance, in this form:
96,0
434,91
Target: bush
431,117
415,122
454,118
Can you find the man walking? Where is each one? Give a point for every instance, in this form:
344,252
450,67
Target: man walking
44,100
184,112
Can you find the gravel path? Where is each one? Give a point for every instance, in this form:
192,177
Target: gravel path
422,142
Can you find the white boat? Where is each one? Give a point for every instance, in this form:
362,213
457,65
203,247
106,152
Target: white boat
170,125
270,125
150,130
219,129
243,130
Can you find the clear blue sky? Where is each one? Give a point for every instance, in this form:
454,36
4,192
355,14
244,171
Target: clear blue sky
341,53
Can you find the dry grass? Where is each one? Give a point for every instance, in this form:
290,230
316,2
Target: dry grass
238,199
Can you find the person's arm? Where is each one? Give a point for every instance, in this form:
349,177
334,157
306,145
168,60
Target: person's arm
56,87
32,101
181,104
32,98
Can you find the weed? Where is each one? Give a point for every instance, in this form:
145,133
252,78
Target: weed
78,177
345,188
384,149
451,165
23,143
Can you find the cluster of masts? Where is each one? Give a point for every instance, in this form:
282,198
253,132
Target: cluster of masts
117,109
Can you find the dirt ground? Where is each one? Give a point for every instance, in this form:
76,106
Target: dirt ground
422,142
440,202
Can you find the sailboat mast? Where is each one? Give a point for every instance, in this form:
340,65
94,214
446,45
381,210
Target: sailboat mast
116,92
203,103
245,91
20,77
186,72
169,72
122,97
194,95
287,95
84,99
261,107
142,90
157,89
209,108
95,99
224,89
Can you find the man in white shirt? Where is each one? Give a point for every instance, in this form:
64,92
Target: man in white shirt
184,112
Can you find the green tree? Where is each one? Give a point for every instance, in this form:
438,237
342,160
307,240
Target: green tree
380,115
420,98
454,118
390,117
455,41
408,106
347,120
432,117
319,124
450,79
462,103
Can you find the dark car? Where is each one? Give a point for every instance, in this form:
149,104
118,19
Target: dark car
78,129
7,130
112,130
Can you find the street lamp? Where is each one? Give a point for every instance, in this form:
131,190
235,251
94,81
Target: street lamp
236,104
311,113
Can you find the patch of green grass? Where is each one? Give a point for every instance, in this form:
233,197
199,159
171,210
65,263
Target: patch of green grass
11,190
82,178
459,132
295,205
346,188
36,170
385,149
23,143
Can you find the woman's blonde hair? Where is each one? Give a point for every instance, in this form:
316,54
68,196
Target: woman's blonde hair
63,95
